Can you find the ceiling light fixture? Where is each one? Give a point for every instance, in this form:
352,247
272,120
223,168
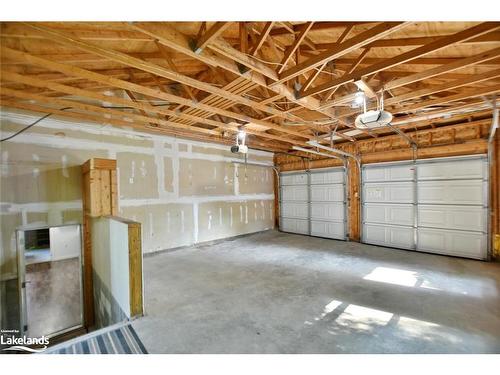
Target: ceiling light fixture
374,118
359,98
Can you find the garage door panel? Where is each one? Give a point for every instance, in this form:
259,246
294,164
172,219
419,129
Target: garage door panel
398,192
459,243
328,177
294,179
452,192
456,169
399,214
327,211
328,229
394,236
295,210
403,172
294,225
471,218
327,193
294,193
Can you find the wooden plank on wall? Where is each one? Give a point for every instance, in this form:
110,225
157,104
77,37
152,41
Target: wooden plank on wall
354,217
135,268
88,296
114,193
99,198
105,194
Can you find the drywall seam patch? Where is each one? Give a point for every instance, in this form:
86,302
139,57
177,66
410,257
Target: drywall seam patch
129,202
195,222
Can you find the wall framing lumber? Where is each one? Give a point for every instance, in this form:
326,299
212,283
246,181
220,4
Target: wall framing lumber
407,56
377,32
99,198
75,71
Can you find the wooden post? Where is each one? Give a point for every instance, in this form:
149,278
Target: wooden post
276,185
354,216
99,199
135,268
495,196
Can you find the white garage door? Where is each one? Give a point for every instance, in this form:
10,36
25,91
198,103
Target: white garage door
452,206
388,205
433,205
314,203
328,218
294,198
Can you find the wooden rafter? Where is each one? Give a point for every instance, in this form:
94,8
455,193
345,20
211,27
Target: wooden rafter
296,43
151,68
407,56
262,38
253,78
113,82
174,40
349,45
216,30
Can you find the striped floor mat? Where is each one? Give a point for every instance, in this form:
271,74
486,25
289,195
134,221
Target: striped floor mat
120,340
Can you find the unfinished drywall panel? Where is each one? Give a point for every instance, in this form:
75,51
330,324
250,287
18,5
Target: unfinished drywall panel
168,172
164,226
97,135
222,219
138,175
253,179
172,178
199,177
110,270
37,218
207,150
72,216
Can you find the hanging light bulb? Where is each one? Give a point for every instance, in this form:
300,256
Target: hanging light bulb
241,135
359,98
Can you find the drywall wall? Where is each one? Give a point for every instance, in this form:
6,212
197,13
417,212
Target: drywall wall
110,268
183,192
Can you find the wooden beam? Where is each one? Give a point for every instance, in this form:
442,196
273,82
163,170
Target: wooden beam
173,39
114,82
487,90
452,98
447,86
243,37
296,43
262,37
317,71
492,37
354,65
407,56
445,68
103,120
122,102
135,267
152,68
215,31
318,26
358,41
172,66
123,116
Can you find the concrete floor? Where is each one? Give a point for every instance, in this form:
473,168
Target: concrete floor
273,292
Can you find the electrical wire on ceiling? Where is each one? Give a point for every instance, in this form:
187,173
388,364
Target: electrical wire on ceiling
32,124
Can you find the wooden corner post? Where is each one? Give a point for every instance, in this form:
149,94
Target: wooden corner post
99,199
